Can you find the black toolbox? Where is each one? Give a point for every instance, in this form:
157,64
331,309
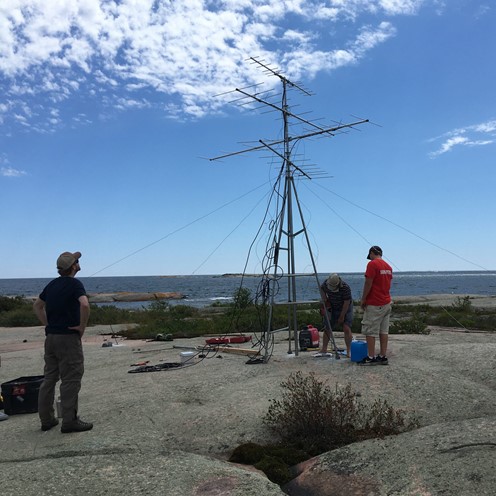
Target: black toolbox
21,395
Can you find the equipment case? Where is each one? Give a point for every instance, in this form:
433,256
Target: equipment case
21,395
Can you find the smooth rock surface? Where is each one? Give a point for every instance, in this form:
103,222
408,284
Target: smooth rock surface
171,432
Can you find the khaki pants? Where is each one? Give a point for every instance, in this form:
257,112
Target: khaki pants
64,360
375,320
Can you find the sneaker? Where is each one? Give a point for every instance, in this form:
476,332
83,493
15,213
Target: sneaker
3,416
381,360
48,425
368,361
76,426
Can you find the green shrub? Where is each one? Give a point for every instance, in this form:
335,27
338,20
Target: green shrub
400,308
356,326
457,319
8,303
312,419
110,314
157,307
183,311
382,420
242,298
16,312
19,317
316,419
416,324
462,304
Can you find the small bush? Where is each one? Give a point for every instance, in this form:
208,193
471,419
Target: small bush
242,298
318,419
8,303
110,314
16,312
158,307
356,325
457,319
19,317
183,311
382,420
416,324
462,304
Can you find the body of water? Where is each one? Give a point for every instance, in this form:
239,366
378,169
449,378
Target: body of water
204,290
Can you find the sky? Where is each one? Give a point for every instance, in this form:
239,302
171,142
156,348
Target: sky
110,112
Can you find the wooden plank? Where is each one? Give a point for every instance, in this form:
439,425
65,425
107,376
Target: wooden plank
228,349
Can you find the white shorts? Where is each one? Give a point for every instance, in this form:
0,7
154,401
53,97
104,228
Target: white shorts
376,320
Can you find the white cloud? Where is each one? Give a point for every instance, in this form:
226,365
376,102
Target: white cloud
395,7
485,127
482,11
185,51
466,136
11,172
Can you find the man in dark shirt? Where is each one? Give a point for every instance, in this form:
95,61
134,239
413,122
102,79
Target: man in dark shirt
339,305
63,309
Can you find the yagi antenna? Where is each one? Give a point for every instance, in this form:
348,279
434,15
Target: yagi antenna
286,232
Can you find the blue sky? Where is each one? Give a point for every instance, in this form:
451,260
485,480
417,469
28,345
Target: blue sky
109,111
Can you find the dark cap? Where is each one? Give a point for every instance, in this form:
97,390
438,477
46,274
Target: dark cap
376,250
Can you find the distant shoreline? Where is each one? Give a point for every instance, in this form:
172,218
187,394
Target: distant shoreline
240,274
441,300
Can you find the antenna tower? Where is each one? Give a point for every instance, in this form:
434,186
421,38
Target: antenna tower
284,239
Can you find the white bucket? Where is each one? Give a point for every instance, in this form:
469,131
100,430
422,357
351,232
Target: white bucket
187,356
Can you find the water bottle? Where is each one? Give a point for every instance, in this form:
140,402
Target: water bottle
58,407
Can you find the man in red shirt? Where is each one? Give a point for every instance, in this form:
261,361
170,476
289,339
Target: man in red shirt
376,303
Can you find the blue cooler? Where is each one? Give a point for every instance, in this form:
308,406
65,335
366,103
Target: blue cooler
358,351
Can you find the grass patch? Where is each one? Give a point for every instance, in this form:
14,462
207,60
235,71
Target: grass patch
461,313
415,324
245,317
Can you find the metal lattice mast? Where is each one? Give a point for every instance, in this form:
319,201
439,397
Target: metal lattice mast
286,234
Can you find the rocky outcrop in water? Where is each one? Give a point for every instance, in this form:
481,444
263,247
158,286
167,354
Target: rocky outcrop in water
127,296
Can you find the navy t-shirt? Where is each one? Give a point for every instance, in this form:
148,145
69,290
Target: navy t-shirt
61,297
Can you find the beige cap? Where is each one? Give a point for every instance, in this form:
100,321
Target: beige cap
333,282
67,259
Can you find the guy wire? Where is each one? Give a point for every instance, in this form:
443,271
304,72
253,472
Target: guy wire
404,229
272,193
178,230
397,225
232,231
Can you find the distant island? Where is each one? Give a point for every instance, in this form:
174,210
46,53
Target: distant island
240,275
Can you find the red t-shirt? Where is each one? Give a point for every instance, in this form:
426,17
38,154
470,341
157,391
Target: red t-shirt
381,274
